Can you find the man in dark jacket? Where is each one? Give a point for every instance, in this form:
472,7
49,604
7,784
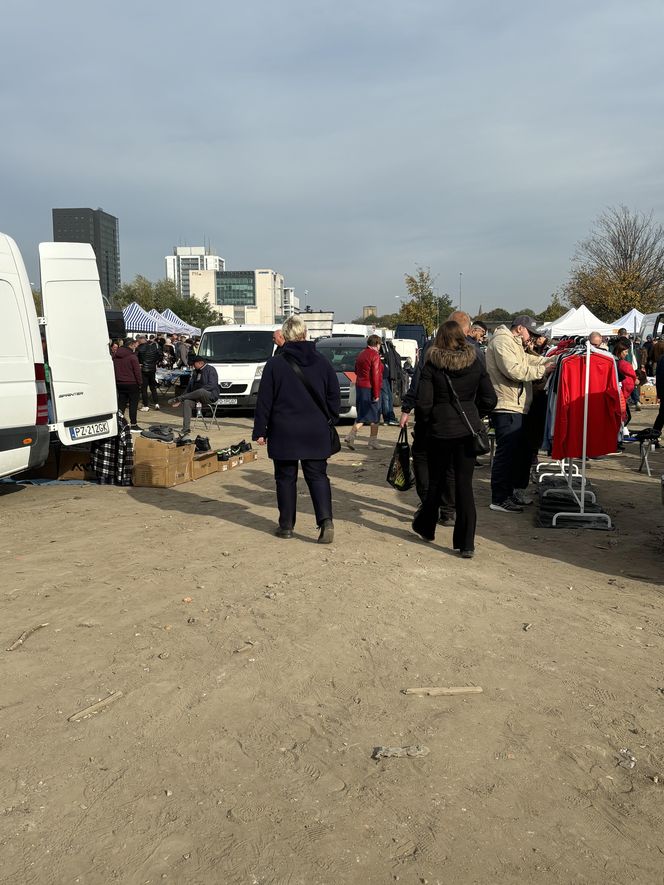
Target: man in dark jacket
203,388
128,379
296,428
149,356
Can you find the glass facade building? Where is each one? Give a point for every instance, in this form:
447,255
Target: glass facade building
101,230
235,287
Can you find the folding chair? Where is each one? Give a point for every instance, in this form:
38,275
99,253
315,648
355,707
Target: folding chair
213,406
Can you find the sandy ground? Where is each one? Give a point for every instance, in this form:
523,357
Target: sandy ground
240,749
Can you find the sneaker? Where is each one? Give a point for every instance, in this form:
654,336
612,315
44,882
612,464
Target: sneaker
145,408
350,442
156,407
392,423
135,428
507,506
521,497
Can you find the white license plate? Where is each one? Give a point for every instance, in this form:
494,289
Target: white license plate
228,401
85,431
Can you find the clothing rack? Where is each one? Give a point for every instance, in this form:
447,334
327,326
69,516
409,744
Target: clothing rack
570,471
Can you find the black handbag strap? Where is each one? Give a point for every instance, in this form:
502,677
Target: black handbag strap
312,392
456,402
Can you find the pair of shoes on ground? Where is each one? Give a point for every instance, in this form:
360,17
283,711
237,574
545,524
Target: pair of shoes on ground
234,451
325,536
147,408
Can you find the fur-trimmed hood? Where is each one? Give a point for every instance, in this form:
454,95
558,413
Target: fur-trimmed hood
451,360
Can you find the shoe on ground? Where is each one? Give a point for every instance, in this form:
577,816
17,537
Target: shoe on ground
467,554
521,497
156,407
284,533
372,444
507,506
185,436
447,519
135,428
417,531
326,535
145,408
350,442
392,423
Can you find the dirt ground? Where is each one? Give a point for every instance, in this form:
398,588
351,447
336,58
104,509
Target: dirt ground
240,749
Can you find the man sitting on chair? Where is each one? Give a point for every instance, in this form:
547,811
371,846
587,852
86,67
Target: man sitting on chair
203,388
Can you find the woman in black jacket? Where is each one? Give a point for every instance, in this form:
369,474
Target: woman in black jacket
295,428
451,362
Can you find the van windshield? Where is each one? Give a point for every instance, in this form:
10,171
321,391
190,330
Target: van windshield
342,357
237,347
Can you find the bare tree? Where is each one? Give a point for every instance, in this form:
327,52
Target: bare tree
620,265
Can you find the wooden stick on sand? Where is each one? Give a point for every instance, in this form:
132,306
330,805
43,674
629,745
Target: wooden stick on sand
95,708
435,692
21,639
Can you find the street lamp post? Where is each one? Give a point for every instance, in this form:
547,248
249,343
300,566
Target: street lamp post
460,275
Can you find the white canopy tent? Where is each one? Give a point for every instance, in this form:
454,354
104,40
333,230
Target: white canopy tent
165,325
546,328
631,321
580,322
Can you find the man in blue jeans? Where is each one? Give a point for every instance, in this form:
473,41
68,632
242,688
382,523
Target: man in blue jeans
512,372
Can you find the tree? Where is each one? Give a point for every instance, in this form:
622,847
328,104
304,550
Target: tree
619,266
497,315
386,320
162,295
425,306
554,311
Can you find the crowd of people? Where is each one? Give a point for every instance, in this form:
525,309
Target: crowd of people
459,382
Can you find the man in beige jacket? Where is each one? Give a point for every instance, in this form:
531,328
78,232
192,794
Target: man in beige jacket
512,372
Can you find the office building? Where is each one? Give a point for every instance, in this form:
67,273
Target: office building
186,259
291,304
371,310
255,296
98,228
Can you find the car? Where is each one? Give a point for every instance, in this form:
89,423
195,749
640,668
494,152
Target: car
342,353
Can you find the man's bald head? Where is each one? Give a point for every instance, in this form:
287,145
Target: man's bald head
595,339
462,318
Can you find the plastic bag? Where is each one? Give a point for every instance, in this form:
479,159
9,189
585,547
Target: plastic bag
399,473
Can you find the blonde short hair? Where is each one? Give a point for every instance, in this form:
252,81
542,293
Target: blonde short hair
294,329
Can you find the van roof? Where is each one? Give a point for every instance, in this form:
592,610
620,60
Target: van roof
243,327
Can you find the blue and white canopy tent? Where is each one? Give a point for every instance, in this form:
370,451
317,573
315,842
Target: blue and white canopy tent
138,320
171,317
168,326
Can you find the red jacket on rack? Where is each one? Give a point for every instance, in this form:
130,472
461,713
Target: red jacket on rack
604,416
369,371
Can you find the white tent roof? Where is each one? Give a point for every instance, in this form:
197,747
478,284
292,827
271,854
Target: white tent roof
631,321
580,322
169,316
165,325
546,329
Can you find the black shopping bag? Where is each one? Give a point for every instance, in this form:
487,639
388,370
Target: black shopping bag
399,473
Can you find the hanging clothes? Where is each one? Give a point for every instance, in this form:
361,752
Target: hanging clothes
604,412
113,459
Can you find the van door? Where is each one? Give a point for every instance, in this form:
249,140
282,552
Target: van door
83,389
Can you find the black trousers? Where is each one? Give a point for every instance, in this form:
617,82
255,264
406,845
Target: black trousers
315,476
457,455
128,395
149,380
513,456
658,423
421,470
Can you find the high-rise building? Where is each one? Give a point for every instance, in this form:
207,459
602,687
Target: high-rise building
98,228
255,296
370,310
291,303
190,258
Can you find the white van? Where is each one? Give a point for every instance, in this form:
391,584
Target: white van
82,393
239,354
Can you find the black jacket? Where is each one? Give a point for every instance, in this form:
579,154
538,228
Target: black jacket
435,402
286,415
149,355
207,379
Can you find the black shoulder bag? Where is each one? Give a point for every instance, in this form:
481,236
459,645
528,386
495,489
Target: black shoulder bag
335,442
481,443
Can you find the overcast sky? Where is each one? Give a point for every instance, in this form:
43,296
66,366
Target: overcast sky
340,143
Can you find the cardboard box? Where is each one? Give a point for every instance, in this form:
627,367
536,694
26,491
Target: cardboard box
163,475
204,464
74,463
153,451
237,461
648,394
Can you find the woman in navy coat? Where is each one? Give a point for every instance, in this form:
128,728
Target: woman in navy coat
295,429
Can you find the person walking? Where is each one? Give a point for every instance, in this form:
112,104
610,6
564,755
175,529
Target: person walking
295,428
452,370
368,385
128,380
392,373
512,372
149,356
203,388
